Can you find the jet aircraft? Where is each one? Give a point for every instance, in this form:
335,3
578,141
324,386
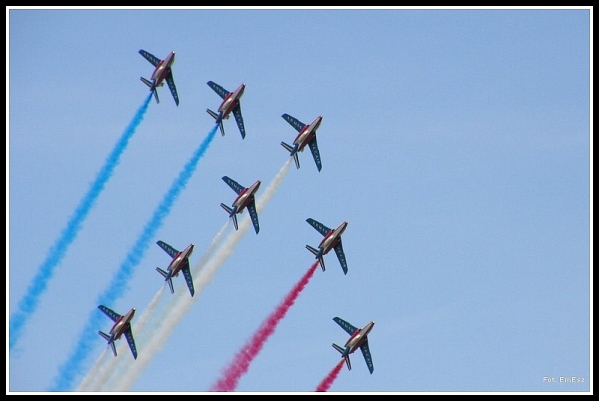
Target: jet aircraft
229,104
306,136
179,263
358,339
331,240
245,199
122,325
162,72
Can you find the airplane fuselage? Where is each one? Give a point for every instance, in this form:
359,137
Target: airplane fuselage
358,338
121,325
332,238
307,134
245,197
230,102
177,263
162,69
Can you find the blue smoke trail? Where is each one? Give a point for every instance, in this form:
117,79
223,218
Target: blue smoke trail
30,301
118,284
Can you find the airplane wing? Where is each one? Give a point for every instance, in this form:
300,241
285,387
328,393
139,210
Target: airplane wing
345,325
131,341
222,92
367,357
109,312
233,184
150,57
171,85
239,120
253,214
172,252
187,274
294,122
315,153
341,256
321,228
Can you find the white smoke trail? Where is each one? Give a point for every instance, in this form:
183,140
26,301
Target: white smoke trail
102,369
97,372
180,303
161,325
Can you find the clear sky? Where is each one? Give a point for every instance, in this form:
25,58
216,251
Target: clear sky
456,143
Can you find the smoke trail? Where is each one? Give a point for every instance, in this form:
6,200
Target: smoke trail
328,381
28,304
158,332
241,362
118,284
99,373
151,317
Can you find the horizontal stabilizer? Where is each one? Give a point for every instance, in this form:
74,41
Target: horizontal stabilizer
168,278
346,356
293,152
107,338
316,252
232,214
113,346
227,208
145,81
152,88
311,249
286,146
219,120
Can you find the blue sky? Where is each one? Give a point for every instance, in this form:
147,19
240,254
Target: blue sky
455,142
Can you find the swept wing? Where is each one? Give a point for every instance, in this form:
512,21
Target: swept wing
171,85
321,228
254,215
234,185
341,256
150,57
367,357
239,120
110,313
129,336
294,122
345,325
222,92
187,274
172,252
315,153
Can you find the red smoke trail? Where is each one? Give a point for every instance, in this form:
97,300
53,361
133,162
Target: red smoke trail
244,357
326,383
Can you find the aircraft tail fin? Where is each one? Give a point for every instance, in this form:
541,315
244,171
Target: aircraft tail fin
293,153
345,356
220,121
149,83
169,279
107,338
316,252
232,214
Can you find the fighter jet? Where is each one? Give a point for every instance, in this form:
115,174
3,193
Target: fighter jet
358,339
306,136
331,240
245,199
162,72
122,325
229,104
179,263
